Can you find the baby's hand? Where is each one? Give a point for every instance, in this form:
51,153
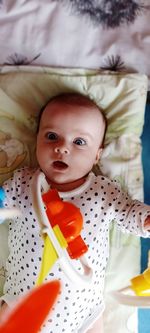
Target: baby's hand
147,223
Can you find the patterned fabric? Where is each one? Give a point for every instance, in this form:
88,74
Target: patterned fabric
100,201
106,34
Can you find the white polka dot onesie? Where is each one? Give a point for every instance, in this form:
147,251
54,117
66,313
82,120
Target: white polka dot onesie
100,201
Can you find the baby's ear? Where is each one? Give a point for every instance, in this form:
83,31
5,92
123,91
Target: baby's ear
98,155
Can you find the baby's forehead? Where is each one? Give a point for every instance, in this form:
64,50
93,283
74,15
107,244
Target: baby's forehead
66,117
57,110
72,106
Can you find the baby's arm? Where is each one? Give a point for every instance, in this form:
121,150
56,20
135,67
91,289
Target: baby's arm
131,215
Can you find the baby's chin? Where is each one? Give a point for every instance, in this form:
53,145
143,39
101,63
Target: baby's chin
65,184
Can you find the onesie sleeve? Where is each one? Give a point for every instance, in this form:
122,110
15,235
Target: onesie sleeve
10,187
131,214
14,187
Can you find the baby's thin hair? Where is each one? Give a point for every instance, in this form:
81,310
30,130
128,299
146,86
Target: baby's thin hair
75,99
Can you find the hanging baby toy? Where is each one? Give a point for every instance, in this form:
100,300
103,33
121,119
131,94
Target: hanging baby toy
138,292
61,223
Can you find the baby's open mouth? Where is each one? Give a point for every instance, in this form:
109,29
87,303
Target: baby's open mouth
60,165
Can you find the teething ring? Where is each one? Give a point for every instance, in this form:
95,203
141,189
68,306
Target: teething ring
39,183
126,296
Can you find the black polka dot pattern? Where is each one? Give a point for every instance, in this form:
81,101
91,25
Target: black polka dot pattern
100,202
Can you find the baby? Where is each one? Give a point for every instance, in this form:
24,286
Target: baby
69,143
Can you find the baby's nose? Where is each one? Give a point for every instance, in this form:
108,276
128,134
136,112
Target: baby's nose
61,150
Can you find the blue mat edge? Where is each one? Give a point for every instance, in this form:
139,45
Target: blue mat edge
144,314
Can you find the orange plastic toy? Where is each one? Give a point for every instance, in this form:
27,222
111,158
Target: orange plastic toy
30,314
69,219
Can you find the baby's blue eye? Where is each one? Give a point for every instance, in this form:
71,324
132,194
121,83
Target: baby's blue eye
79,142
52,136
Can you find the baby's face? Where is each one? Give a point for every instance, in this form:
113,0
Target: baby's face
68,143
